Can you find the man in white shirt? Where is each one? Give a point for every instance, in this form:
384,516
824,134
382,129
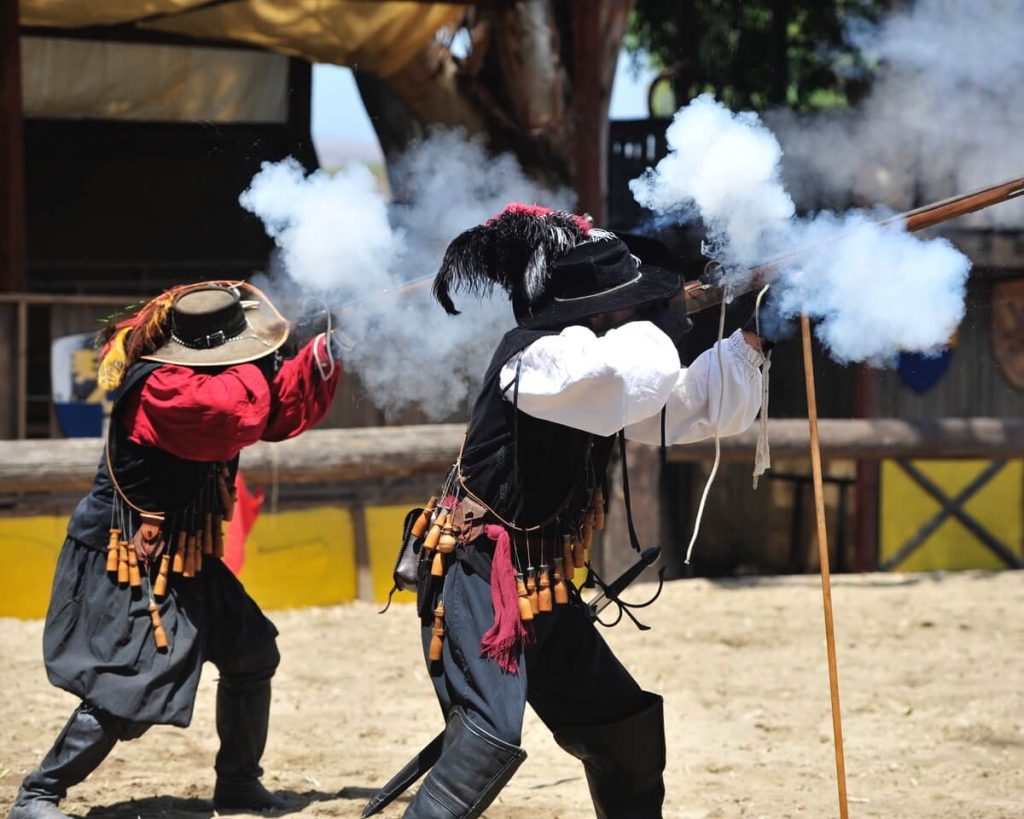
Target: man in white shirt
594,355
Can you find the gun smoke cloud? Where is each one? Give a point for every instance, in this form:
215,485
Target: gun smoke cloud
875,290
340,240
945,114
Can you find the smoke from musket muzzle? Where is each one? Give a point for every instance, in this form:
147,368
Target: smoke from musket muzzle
945,113
340,240
875,290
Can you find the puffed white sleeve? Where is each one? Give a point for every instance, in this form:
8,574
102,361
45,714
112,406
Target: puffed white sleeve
701,400
599,384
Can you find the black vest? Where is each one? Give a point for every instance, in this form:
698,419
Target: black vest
527,470
151,478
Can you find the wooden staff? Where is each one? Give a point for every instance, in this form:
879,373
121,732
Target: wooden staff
826,584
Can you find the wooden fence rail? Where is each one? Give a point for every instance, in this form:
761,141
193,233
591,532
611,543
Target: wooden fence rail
388,453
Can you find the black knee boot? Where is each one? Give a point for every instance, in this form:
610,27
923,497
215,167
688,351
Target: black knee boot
624,762
243,717
84,743
474,766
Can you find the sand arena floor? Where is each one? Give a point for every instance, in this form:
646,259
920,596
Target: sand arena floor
931,673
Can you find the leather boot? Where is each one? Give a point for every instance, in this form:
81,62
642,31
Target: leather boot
624,762
84,743
474,766
243,717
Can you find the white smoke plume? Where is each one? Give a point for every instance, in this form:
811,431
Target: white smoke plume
340,239
876,290
945,114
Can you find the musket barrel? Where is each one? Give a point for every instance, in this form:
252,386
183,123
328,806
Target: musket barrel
701,295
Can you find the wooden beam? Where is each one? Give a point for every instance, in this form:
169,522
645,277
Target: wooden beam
12,154
874,438
387,454
380,454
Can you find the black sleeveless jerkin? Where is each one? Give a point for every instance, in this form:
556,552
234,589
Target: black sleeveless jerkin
531,472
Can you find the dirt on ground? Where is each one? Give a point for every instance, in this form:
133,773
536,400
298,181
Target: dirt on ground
931,674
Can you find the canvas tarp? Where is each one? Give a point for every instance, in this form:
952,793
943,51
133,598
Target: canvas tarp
90,79
379,36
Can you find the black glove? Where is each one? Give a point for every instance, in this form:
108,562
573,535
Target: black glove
672,323
772,327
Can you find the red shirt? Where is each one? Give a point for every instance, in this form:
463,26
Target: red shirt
203,417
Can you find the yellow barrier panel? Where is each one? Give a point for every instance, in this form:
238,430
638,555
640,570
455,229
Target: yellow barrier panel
906,507
29,546
384,537
301,558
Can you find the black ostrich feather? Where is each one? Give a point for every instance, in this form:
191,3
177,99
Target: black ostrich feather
512,251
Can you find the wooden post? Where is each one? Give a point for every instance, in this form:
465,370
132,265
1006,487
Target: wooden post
364,571
826,583
21,368
865,525
589,124
12,154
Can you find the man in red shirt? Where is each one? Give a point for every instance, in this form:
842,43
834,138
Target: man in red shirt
140,597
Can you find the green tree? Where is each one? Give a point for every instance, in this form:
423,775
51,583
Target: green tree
757,53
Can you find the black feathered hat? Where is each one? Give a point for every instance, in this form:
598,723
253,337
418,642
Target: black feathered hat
556,268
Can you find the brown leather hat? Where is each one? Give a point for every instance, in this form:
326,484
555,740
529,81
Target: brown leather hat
221,324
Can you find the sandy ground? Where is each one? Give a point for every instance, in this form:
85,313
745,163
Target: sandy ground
931,670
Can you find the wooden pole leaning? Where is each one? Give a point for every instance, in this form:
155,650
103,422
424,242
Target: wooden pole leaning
826,583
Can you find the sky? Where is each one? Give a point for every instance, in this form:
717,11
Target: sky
340,121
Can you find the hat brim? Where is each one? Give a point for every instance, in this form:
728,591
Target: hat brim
652,284
266,332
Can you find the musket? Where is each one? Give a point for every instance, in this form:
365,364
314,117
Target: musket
702,293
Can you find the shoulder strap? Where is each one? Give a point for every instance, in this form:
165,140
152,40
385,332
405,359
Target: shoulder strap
634,541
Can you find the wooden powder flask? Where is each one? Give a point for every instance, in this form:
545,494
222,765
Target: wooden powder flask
567,555
434,535
208,533
561,592
437,633
525,609
190,556
578,556
423,521
531,589
199,552
437,565
446,543
159,635
442,536
588,536
134,576
544,588
112,549
160,587
122,562
179,553
227,498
